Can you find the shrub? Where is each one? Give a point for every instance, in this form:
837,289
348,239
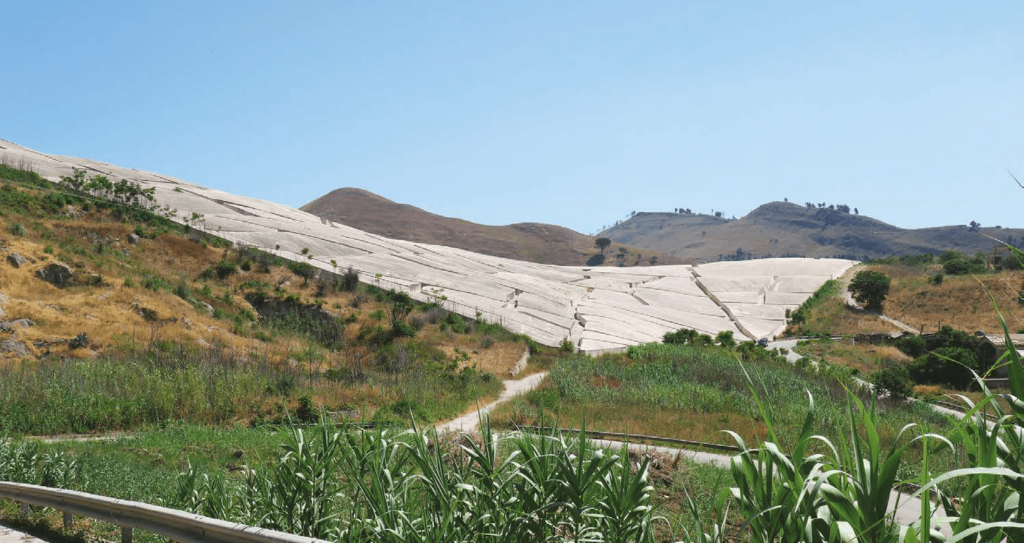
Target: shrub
183,291
306,412
946,366
455,323
18,229
725,339
680,337
911,345
350,280
870,288
79,342
225,269
403,329
418,321
894,379
567,345
303,269
936,279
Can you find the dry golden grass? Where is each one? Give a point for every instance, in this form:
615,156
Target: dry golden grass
960,301
834,317
109,313
863,357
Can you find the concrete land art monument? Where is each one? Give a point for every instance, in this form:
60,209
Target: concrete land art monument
597,309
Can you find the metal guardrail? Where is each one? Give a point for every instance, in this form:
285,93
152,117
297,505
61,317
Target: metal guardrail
171,523
638,437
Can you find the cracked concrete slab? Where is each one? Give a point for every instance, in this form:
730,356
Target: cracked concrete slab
598,308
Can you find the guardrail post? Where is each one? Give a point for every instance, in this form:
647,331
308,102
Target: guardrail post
24,508
126,534
68,520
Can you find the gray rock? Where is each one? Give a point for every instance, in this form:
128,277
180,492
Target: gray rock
3,298
207,307
55,274
2,314
16,260
16,325
8,346
134,238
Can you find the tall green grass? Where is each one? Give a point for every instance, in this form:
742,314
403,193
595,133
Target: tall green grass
712,380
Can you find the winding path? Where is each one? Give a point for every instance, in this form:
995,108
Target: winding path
471,421
908,510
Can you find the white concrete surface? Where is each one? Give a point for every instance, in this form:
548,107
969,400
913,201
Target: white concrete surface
598,309
10,535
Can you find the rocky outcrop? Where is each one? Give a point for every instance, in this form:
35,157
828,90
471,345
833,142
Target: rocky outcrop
16,260
15,325
11,346
56,274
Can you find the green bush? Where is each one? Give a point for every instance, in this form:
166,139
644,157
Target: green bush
911,345
725,339
957,263
945,366
455,323
683,336
225,269
870,288
303,269
895,380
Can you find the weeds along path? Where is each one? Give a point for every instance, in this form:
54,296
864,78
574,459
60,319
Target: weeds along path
471,421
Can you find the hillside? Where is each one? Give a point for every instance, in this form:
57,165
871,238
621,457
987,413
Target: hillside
141,311
533,242
786,229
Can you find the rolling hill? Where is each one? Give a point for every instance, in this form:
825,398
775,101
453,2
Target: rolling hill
786,229
533,242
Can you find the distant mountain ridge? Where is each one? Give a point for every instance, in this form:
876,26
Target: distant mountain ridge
534,242
787,229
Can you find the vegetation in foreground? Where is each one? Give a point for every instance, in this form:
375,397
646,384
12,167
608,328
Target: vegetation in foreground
372,485
694,392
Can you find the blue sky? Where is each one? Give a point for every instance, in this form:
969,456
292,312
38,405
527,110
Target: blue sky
572,113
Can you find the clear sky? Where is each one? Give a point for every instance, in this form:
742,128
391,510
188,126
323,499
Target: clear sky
572,113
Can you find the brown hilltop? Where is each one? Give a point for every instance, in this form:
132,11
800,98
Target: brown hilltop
787,229
534,242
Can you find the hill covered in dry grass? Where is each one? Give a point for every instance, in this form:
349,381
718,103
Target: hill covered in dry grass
148,312
533,242
787,229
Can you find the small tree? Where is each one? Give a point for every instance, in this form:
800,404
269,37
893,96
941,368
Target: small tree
870,288
894,379
602,243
